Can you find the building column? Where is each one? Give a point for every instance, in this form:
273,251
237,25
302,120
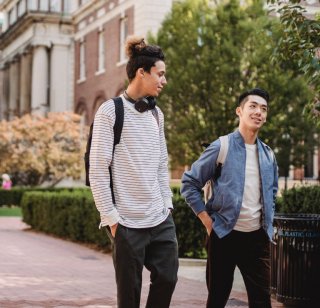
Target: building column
25,83
39,83
59,78
5,91
14,89
2,72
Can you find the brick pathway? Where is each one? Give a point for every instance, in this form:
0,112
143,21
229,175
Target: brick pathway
42,271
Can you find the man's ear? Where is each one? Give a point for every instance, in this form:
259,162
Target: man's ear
140,72
238,111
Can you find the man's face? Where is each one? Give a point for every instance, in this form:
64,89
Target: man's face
154,81
253,113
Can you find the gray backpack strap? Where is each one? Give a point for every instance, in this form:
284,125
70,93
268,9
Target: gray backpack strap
208,188
224,140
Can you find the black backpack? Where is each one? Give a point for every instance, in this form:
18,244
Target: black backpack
117,130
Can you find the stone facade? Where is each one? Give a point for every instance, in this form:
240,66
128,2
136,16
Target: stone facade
36,61
59,55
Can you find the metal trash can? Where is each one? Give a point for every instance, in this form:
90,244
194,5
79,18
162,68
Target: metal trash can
298,256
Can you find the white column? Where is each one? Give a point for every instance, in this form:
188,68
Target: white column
5,91
59,78
25,83
39,87
291,172
2,73
14,89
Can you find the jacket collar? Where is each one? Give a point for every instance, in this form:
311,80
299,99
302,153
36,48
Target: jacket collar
240,139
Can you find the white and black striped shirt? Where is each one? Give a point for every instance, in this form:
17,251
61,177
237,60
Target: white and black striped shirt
139,168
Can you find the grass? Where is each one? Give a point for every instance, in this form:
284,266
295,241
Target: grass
10,211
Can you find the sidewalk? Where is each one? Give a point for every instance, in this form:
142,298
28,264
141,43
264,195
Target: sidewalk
37,270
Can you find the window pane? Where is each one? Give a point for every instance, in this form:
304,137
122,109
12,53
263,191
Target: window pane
21,7
44,5
123,37
32,4
101,51
55,6
66,6
82,61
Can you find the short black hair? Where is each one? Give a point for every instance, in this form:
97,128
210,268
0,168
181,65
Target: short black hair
256,91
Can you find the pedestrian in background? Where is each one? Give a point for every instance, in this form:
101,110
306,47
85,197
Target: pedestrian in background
6,181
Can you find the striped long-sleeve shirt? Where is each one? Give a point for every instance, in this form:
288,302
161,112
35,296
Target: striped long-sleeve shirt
139,168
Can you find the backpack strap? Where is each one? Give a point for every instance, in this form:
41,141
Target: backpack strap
118,124
117,130
224,147
155,114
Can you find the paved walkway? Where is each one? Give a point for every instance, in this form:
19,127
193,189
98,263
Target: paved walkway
37,270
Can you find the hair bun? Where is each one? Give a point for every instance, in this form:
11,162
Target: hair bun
134,45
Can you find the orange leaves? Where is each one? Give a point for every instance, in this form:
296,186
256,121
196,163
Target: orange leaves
51,147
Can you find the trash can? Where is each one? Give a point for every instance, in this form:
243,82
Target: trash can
298,256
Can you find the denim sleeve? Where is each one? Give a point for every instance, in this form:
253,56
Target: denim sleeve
201,171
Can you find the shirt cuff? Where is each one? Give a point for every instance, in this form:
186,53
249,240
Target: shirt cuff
111,219
168,203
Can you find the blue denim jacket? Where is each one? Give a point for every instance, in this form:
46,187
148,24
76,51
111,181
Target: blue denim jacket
225,203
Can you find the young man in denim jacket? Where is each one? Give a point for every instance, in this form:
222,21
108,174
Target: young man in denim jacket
238,217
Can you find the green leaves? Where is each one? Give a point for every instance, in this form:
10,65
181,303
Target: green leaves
299,43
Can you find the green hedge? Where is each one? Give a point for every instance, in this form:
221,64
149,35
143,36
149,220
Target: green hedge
70,215
73,215
14,195
304,199
191,233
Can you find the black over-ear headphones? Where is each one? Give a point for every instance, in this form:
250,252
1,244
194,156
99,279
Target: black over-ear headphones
143,104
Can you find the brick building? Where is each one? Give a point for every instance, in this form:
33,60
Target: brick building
101,28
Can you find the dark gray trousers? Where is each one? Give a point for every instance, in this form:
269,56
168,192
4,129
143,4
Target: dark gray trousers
155,248
250,251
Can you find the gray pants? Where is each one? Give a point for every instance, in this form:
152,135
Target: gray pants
155,248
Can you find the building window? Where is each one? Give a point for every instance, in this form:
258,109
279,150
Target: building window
123,37
66,6
12,15
22,7
81,2
32,4
101,51
44,5
82,63
55,6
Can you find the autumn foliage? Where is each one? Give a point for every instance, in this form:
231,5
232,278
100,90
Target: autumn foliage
34,149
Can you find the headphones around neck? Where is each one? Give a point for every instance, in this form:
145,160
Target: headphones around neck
143,104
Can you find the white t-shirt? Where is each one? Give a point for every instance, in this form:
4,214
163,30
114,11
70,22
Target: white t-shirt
250,213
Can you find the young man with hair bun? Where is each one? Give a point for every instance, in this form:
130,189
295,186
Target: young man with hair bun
139,218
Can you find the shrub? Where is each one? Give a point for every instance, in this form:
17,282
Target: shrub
191,233
71,214
14,195
304,199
